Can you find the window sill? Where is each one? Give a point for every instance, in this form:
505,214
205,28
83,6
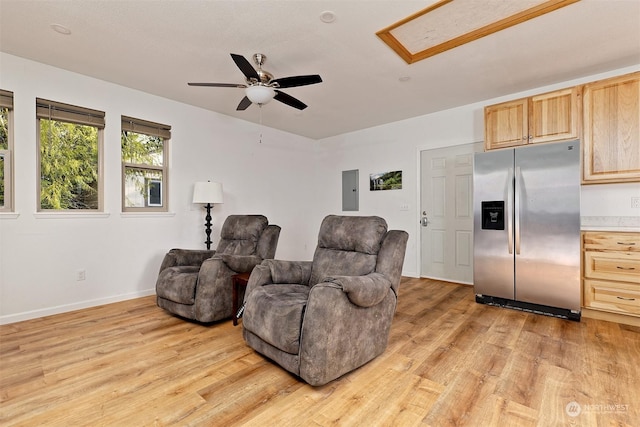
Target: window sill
147,214
74,215
9,215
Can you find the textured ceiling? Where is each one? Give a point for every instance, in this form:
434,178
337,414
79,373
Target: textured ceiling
157,46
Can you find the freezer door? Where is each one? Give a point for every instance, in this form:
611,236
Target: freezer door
547,225
493,259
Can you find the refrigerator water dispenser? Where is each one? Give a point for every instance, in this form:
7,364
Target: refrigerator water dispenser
493,215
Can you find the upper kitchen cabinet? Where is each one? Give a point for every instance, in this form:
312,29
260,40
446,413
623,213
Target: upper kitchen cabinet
611,141
552,116
505,124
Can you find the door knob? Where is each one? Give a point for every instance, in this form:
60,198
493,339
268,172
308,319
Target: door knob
424,221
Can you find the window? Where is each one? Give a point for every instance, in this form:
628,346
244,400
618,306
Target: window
6,147
70,149
144,165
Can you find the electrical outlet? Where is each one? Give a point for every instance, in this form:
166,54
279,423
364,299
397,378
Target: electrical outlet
80,275
635,202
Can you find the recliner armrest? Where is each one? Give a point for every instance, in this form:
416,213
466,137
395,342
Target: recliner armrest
185,257
363,291
240,263
290,272
273,272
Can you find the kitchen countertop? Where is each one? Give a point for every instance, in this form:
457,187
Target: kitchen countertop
610,223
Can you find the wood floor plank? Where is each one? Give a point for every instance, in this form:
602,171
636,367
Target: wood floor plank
505,412
505,327
450,361
464,402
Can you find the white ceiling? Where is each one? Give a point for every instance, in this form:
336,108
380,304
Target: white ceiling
157,46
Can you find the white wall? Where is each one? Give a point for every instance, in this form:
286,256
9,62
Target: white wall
40,254
609,199
291,179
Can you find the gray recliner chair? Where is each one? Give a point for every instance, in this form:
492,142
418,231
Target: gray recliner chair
196,284
323,318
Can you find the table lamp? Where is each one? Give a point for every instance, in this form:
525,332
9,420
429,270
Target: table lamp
209,193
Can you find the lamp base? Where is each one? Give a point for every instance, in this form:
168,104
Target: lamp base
207,225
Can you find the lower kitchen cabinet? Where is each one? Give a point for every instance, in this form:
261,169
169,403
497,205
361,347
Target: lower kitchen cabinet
611,272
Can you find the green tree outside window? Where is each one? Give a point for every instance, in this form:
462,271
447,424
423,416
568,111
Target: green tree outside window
68,165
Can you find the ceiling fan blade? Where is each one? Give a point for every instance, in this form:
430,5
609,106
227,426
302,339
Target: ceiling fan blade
244,104
289,100
245,66
218,84
294,81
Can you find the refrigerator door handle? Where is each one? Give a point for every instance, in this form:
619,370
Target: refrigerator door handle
518,209
509,213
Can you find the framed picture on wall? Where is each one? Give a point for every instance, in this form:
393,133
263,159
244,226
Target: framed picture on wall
385,181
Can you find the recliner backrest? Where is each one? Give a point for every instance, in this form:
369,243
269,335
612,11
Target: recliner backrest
347,246
268,242
391,257
240,234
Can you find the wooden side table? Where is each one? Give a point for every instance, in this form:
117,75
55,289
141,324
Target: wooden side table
239,283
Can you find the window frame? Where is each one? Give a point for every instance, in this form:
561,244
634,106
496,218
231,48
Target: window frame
6,101
145,127
67,113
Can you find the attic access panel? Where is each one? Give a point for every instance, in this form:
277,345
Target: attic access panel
451,23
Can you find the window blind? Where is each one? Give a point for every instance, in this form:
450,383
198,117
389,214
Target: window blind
52,110
131,124
6,99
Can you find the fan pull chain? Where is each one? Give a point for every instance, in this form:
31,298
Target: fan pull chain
260,107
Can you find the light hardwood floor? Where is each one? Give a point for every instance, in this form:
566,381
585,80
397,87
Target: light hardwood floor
450,362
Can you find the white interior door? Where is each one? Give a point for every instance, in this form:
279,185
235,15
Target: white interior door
446,201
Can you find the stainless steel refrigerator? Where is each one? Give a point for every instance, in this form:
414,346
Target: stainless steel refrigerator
526,251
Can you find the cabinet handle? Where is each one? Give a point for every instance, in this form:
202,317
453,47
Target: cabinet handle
626,299
625,268
627,244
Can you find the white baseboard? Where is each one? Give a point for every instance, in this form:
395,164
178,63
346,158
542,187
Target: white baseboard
34,314
459,282
411,274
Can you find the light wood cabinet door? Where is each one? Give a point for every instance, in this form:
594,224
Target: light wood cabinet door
505,124
549,117
622,266
611,140
616,297
554,116
611,241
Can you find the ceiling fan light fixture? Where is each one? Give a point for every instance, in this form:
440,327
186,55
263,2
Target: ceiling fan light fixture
259,94
261,87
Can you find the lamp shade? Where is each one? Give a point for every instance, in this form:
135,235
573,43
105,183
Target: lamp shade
207,192
259,94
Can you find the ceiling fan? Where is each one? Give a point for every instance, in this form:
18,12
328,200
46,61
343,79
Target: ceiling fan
261,87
